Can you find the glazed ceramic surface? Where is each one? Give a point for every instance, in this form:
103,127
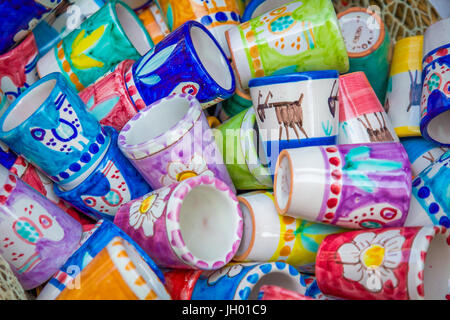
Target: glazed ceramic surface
49,121
114,33
196,65
108,100
269,237
183,226
405,87
353,186
92,242
386,264
154,22
299,36
268,292
114,182
362,118
117,272
296,110
256,8
242,150
37,236
176,149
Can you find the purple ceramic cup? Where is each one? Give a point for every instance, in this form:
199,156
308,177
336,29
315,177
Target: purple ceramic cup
37,237
170,141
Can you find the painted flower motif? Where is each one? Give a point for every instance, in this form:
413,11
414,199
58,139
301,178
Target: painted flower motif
178,171
231,271
370,259
144,214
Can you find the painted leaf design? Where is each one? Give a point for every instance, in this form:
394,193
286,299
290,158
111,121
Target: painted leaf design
154,61
83,43
319,229
151,80
309,244
104,108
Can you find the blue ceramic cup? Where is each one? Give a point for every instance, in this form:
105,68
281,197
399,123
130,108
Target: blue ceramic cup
50,126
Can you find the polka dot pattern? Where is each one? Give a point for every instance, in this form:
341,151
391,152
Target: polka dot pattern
8,186
133,92
59,54
256,64
335,162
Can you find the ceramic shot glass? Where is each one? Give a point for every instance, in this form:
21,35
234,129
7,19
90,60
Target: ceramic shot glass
234,281
435,102
108,100
268,292
239,142
154,22
190,61
296,110
37,236
10,287
195,224
405,87
352,186
362,118
410,263
114,33
217,16
178,145
18,68
286,40
114,182
117,272
256,8
430,203
92,243
269,237
49,121
422,153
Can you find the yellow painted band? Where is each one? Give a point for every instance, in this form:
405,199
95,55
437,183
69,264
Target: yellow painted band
408,131
407,55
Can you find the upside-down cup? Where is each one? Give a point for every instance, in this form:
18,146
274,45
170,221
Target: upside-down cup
422,153
50,126
256,8
154,23
92,243
286,40
114,33
239,142
354,186
117,272
435,103
430,199
10,287
37,236
268,292
107,99
178,145
194,224
235,281
362,118
410,263
112,183
18,68
189,60
405,87
269,237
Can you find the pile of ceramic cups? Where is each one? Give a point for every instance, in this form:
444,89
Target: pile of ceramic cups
221,150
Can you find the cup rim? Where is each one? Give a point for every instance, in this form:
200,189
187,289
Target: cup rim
283,154
244,255
294,77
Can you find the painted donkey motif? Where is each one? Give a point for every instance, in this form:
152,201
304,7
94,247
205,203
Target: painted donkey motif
377,135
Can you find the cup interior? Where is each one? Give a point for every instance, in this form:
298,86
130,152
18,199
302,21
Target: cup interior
133,29
283,182
439,128
208,223
267,6
437,269
27,105
276,278
211,57
248,233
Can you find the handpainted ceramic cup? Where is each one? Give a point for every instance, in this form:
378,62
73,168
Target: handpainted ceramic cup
411,263
368,45
299,36
296,110
114,33
435,103
405,87
269,237
430,203
189,60
114,182
37,236
362,118
19,17
137,4
239,142
92,243
178,145
18,68
154,22
117,272
256,8
352,186
4,103
10,287
422,153
217,16
195,224
49,121
108,100
268,292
